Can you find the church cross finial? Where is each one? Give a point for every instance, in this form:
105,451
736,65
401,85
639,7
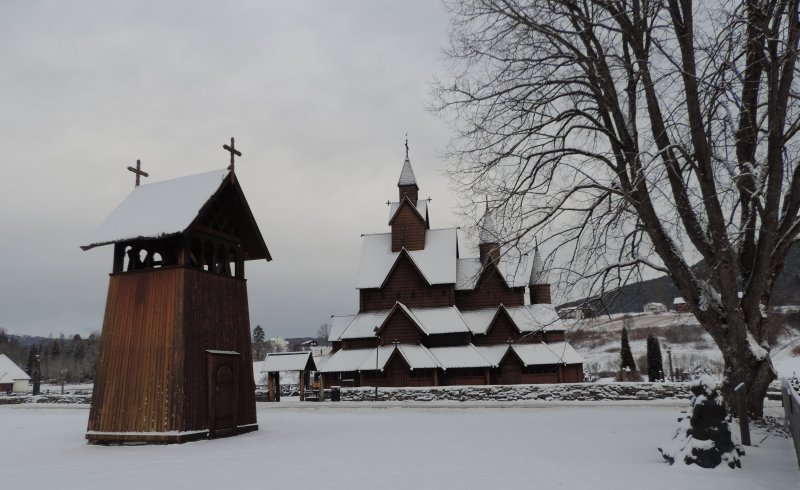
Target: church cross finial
234,152
138,171
406,146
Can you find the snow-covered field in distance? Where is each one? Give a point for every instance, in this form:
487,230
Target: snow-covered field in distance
386,446
598,341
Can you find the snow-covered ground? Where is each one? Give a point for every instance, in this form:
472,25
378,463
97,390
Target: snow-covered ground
391,446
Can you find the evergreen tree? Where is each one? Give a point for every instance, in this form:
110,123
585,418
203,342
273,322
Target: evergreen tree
31,359
626,356
655,365
258,334
259,339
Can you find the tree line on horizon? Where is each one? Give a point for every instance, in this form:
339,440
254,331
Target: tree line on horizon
70,359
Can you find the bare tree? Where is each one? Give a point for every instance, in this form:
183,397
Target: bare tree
323,331
636,135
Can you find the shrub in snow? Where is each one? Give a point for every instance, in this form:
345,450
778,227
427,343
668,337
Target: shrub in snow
625,354
704,438
655,366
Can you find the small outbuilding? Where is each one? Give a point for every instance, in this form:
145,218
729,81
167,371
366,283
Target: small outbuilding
12,378
277,362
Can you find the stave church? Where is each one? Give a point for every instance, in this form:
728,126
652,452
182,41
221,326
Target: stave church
428,317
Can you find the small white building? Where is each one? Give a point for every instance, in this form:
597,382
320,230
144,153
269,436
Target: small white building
654,307
12,378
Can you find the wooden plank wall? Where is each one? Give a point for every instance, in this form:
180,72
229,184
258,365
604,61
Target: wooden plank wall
216,317
140,354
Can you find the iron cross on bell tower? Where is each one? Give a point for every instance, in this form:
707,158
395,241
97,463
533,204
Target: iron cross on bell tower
138,171
234,153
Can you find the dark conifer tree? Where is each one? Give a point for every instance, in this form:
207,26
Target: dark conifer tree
655,365
626,356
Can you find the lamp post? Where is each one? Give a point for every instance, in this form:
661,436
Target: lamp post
377,349
669,355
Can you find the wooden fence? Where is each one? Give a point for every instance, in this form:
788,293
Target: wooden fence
791,406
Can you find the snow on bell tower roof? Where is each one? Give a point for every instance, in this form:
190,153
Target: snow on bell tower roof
488,231
538,274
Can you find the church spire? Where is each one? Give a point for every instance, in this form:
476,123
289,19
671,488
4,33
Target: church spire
488,243
538,274
538,285
488,231
407,183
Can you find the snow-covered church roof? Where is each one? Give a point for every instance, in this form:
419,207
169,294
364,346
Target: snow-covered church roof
469,270
447,319
436,262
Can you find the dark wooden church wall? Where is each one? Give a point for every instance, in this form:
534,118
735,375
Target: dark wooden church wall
399,328
408,230
490,291
501,329
406,285
222,323
571,373
139,355
465,376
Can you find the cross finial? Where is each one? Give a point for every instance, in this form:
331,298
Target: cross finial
406,146
138,171
233,151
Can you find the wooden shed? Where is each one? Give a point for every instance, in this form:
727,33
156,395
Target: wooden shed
175,361
278,362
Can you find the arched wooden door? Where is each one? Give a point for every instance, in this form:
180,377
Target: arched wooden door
223,392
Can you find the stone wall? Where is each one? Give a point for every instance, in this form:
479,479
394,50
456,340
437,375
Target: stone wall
545,392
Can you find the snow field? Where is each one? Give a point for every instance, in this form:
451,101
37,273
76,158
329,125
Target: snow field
389,446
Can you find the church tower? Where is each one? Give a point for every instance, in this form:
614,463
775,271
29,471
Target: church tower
488,242
407,220
175,361
538,284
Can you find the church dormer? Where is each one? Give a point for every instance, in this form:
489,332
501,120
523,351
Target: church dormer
488,243
538,284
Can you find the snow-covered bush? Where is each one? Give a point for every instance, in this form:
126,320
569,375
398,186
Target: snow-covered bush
704,438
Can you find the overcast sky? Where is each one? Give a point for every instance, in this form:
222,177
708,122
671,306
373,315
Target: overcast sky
319,96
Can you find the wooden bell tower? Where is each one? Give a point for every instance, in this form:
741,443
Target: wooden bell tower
175,361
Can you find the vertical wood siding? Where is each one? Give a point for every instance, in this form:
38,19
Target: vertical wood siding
152,366
140,355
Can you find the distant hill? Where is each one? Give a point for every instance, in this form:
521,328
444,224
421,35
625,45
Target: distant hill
633,297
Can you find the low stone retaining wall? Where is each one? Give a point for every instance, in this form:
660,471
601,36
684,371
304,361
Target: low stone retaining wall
59,399
550,392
